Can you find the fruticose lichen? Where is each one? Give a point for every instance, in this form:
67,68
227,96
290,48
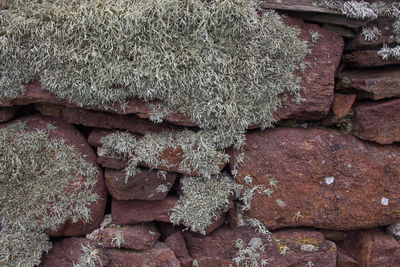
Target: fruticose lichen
43,183
203,200
219,62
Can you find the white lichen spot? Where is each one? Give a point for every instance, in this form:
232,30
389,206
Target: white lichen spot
280,202
384,201
329,180
308,247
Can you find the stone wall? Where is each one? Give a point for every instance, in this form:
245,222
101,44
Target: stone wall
325,180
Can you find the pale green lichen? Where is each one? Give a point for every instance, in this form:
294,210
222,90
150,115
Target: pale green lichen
38,171
203,200
90,257
250,255
219,62
117,239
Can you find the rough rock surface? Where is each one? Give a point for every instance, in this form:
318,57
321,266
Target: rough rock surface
104,120
147,185
372,248
371,83
75,138
7,114
66,252
366,59
317,89
341,107
218,248
136,211
320,178
136,237
159,256
344,259
377,121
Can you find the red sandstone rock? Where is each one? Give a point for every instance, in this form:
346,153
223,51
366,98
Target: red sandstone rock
320,178
371,83
344,259
177,243
136,211
317,84
159,256
378,121
136,237
372,248
317,89
218,248
334,235
75,138
7,114
147,185
341,107
105,120
66,253
367,59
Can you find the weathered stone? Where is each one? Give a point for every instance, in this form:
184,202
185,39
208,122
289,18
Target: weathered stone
334,235
159,256
334,19
371,83
372,248
104,120
377,121
136,237
341,31
66,252
74,138
296,5
341,107
218,248
320,178
7,114
147,185
384,25
136,211
367,59
317,84
177,243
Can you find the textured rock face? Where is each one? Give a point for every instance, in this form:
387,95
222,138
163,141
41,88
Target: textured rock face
135,211
7,114
136,237
367,59
372,248
372,83
321,179
218,248
378,121
147,185
159,256
75,138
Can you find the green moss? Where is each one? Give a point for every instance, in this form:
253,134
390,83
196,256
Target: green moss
218,62
36,173
203,200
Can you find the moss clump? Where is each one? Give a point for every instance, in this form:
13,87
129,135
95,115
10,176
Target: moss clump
36,174
203,200
200,153
219,62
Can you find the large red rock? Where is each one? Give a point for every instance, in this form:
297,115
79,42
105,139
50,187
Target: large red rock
136,237
66,253
374,84
104,120
147,185
372,248
377,121
136,211
320,178
317,86
159,256
218,248
74,138
367,59
341,110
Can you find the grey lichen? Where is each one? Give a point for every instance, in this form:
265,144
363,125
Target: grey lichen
202,201
90,257
219,62
250,255
36,174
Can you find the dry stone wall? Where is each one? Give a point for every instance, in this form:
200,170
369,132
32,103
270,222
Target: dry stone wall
325,180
